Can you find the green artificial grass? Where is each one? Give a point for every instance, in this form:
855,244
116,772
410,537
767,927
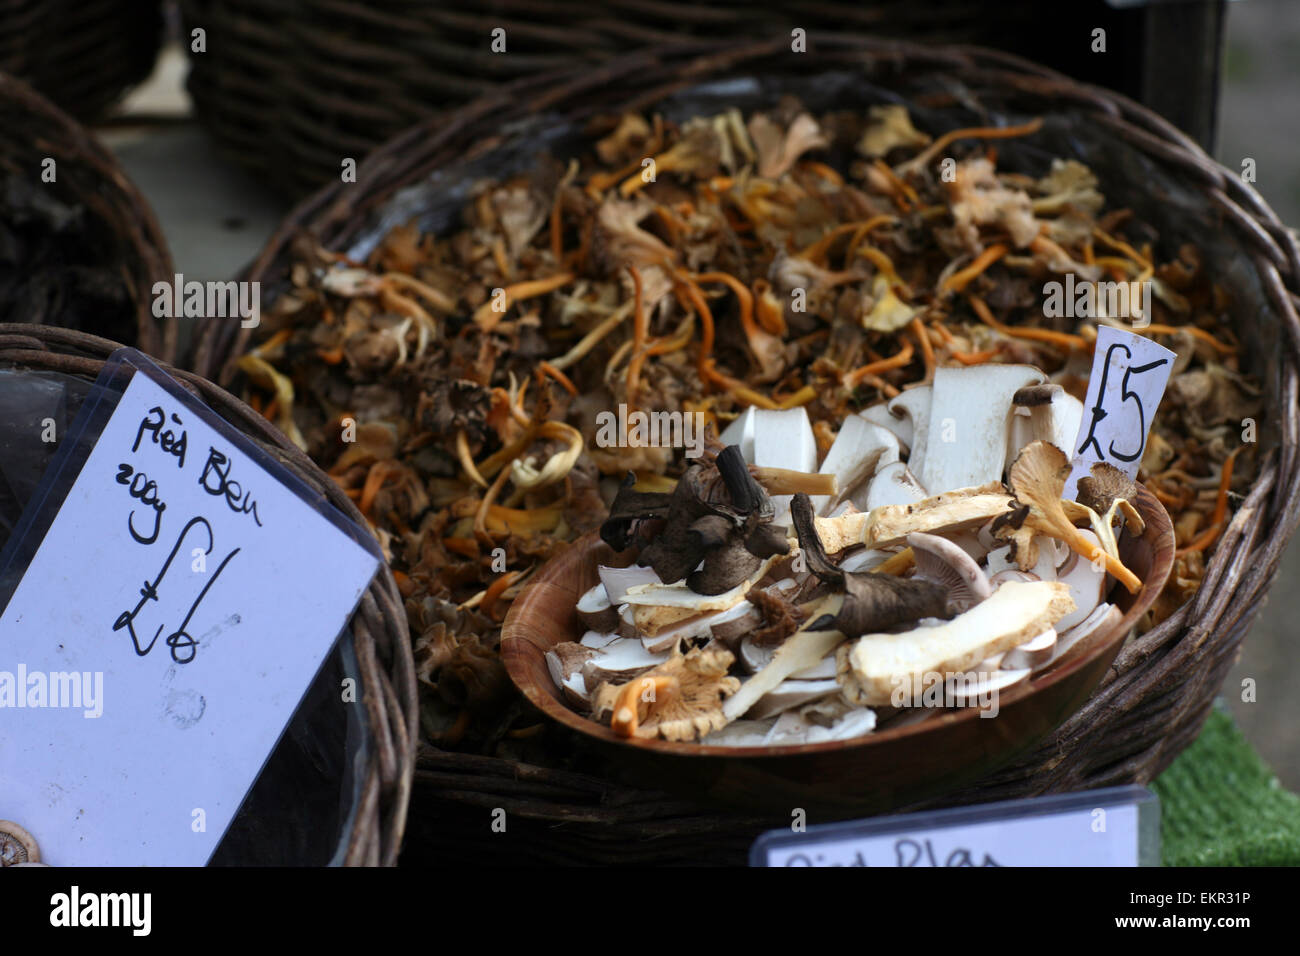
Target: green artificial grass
1220,805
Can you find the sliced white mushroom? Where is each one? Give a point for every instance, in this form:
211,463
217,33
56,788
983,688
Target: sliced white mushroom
596,611
618,662
618,580
857,452
893,484
783,438
731,625
657,640
1032,653
627,622
899,425
999,560
801,650
970,414
975,688
1016,612
793,728
1087,585
820,671
1044,412
1103,619
598,639
943,562
565,662
864,559
913,405
792,693
741,432
753,656
741,733
678,594
970,542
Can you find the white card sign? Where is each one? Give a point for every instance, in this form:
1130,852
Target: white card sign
161,637
1112,827
1128,379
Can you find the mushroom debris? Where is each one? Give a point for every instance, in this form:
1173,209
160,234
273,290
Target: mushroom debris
813,288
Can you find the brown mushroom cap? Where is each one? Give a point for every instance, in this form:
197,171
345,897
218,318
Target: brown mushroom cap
1105,483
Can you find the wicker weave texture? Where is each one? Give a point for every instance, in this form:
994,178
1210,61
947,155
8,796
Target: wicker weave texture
82,54
131,243
292,87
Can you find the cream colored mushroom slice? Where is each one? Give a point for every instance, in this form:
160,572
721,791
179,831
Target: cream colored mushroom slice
1087,585
858,450
1016,612
889,525
783,438
893,484
1045,412
678,594
617,581
792,693
618,662
901,426
741,733
598,639
977,687
943,562
1032,653
564,662
999,560
970,418
793,728
913,405
595,610
627,622
801,650
658,635
864,559
741,432
1103,619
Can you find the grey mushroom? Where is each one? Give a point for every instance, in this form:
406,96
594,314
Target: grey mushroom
949,566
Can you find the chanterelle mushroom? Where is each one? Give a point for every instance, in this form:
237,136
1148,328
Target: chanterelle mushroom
1038,480
872,602
680,699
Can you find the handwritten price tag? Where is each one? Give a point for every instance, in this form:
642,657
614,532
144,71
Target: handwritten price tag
1129,374
1119,826
175,612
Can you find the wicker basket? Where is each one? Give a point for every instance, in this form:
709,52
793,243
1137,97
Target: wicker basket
274,826
127,241
1160,689
82,54
291,87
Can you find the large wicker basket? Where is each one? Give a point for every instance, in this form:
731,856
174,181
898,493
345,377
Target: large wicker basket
279,824
82,54
1160,689
292,87
129,244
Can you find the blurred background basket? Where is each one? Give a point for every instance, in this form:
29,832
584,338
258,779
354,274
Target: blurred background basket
289,88
1160,690
81,54
337,786
83,248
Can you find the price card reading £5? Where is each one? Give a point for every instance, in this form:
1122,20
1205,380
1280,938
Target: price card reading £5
163,632
1128,379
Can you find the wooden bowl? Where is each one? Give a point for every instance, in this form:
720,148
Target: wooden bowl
881,771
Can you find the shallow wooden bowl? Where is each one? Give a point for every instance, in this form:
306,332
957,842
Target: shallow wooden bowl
881,771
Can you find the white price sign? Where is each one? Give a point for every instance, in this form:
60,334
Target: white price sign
1115,827
1129,374
176,610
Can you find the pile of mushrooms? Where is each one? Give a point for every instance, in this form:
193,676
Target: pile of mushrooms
940,566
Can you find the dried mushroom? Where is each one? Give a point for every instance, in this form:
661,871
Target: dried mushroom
680,699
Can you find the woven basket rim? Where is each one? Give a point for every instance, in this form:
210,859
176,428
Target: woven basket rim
378,629
1195,645
132,219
